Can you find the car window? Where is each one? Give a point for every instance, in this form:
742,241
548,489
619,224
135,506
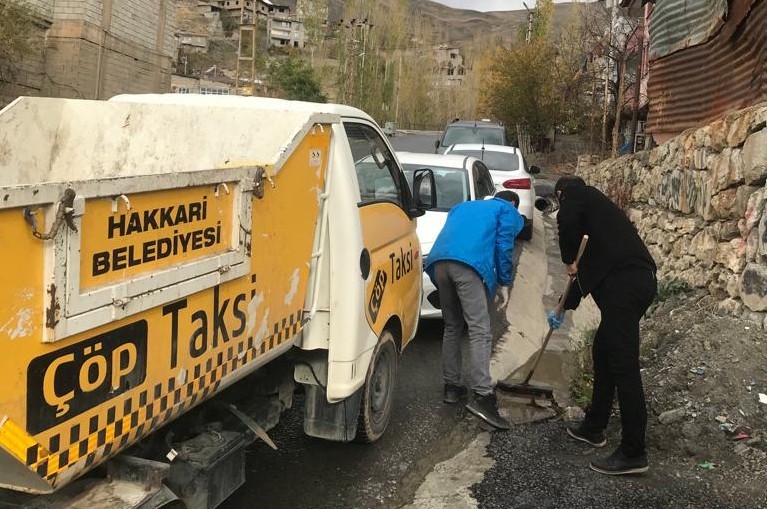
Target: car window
470,134
483,182
495,161
378,176
452,184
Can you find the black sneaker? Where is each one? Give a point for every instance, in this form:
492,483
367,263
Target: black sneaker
619,464
486,408
453,393
596,439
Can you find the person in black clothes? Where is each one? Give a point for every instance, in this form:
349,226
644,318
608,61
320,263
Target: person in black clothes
618,271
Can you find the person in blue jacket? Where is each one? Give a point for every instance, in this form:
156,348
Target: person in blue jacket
469,260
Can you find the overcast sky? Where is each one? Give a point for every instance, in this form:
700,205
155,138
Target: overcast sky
490,5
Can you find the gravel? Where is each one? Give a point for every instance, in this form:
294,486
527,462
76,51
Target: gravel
538,466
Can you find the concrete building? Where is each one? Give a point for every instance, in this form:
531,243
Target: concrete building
195,85
286,32
283,26
94,49
451,69
189,42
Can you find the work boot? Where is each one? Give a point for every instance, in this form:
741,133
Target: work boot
593,438
486,408
453,393
619,464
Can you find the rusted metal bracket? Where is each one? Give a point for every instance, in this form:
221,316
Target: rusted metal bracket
252,425
258,187
64,214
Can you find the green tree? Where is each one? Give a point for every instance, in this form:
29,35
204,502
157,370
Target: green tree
520,87
292,78
230,21
17,25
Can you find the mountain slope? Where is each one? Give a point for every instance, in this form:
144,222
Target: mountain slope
458,25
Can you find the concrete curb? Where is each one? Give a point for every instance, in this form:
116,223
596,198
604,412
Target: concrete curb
448,485
525,314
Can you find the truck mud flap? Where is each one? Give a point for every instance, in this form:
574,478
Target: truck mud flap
331,421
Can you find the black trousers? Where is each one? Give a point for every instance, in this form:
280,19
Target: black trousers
623,296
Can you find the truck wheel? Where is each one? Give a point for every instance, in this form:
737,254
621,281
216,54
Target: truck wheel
378,392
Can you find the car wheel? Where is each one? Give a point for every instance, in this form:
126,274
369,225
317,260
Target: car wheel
527,232
378,392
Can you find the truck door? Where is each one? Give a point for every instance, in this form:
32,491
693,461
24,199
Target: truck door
393,284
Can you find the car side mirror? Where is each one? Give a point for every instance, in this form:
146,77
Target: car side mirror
436,145
535,170
424,191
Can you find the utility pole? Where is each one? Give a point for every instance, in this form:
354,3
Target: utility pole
638,83
247,55
399,82
530,18
351,67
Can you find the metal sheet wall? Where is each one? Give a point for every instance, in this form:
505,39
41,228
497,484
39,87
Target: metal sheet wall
696,85
679,24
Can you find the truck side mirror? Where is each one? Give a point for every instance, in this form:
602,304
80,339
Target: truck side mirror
424,190
436,145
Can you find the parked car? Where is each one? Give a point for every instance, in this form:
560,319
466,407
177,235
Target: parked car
509,171
472,131
457,179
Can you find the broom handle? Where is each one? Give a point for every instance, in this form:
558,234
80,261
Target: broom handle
557,310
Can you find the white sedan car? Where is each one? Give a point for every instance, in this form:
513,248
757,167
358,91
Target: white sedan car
458,179
509,171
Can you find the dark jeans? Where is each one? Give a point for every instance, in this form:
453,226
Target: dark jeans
622,297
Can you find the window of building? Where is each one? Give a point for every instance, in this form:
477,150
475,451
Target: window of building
181,90
214,91
453,56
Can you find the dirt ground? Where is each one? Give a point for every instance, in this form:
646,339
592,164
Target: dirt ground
703,374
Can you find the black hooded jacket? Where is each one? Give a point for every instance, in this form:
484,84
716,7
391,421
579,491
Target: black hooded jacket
613,240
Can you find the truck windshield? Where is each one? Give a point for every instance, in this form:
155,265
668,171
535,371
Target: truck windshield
470,134
452,184
495,161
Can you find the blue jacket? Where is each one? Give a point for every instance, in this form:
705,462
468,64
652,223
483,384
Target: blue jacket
480,234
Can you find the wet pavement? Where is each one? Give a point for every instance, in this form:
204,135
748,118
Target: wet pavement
310,473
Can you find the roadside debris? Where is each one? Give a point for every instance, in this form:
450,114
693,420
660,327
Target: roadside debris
573,414
672,416
701,374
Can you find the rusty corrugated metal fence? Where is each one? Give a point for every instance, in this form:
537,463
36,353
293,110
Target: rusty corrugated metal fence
678,24
700,83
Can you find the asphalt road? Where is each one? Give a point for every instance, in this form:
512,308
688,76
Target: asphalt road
312,473
423,143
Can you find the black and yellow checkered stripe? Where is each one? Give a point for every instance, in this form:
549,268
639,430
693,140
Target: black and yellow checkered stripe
137,417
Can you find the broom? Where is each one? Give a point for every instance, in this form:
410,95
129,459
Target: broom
525,388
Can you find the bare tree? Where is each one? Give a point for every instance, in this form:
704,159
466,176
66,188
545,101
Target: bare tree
613,36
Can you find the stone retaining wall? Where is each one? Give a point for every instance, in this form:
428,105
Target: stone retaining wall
699,203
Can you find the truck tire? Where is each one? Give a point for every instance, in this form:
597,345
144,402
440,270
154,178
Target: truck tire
378,391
